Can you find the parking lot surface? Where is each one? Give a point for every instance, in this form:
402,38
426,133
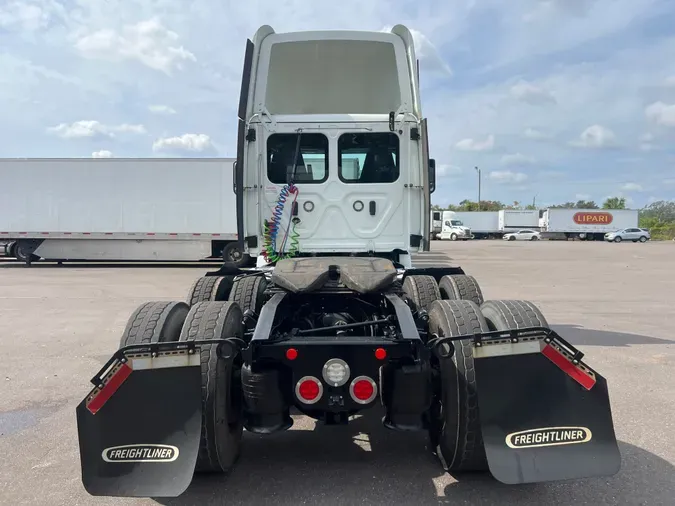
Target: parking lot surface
58,325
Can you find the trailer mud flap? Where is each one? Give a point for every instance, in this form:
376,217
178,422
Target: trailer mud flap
139,429
545,415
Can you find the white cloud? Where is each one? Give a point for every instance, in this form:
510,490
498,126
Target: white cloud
517,159
669,182
477,145
445,170
104,153
537,135
507,177
582,196
596,137
186,142
23,15
670,81
91,128
161,109
426,51
661,114
631,187
531,94
148,42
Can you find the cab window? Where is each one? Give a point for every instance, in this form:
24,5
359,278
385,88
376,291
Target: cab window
369,157
312,161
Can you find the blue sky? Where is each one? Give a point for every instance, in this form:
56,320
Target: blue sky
554,99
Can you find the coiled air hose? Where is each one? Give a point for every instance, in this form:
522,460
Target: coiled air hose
272,226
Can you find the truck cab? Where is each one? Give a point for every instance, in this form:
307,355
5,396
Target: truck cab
453,228
332,152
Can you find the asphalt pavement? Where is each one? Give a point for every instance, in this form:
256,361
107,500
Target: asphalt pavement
59,324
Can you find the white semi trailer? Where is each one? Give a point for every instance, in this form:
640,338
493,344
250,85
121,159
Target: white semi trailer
585,224
130,209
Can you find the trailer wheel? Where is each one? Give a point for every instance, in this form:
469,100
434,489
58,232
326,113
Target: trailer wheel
234,256
249,293
23,251
421,290
155,322
454,429
512,314
222,407
460,287
209,288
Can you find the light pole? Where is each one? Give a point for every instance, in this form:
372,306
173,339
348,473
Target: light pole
478,170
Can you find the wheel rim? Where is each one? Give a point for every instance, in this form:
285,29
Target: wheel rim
234,255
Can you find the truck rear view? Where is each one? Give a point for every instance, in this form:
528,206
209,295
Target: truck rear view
333,184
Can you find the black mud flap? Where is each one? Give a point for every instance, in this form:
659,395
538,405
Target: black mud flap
545,415
139,429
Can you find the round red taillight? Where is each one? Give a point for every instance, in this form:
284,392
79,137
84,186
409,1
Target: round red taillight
309,389
363,390
380,354
291,353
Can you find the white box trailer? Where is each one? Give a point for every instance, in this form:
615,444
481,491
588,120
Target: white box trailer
483,224
586,224
162,209
512,219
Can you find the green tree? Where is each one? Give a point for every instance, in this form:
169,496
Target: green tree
586,204
614,203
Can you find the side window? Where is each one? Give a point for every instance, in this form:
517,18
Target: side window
369,157
312,162
437,216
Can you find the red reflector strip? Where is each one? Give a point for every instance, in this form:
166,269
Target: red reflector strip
573,371
109,389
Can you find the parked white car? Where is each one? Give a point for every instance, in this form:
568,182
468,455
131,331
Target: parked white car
522,235
628,234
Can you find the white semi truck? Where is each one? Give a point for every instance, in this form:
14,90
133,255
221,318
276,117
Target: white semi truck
585,224
336,319
130,209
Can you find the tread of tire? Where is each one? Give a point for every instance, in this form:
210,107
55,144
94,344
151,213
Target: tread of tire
247,293
147,323
462,317
206,321
422,289
512,314
461,287
204,289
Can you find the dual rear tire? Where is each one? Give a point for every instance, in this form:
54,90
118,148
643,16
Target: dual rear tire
459,309
222,406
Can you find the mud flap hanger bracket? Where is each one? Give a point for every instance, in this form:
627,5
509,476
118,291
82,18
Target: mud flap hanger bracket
155,349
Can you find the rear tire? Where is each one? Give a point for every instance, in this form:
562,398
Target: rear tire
454,429
210,288
155,322
421,291
643,238
512,314
234,256
249,293
460,287
222,407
